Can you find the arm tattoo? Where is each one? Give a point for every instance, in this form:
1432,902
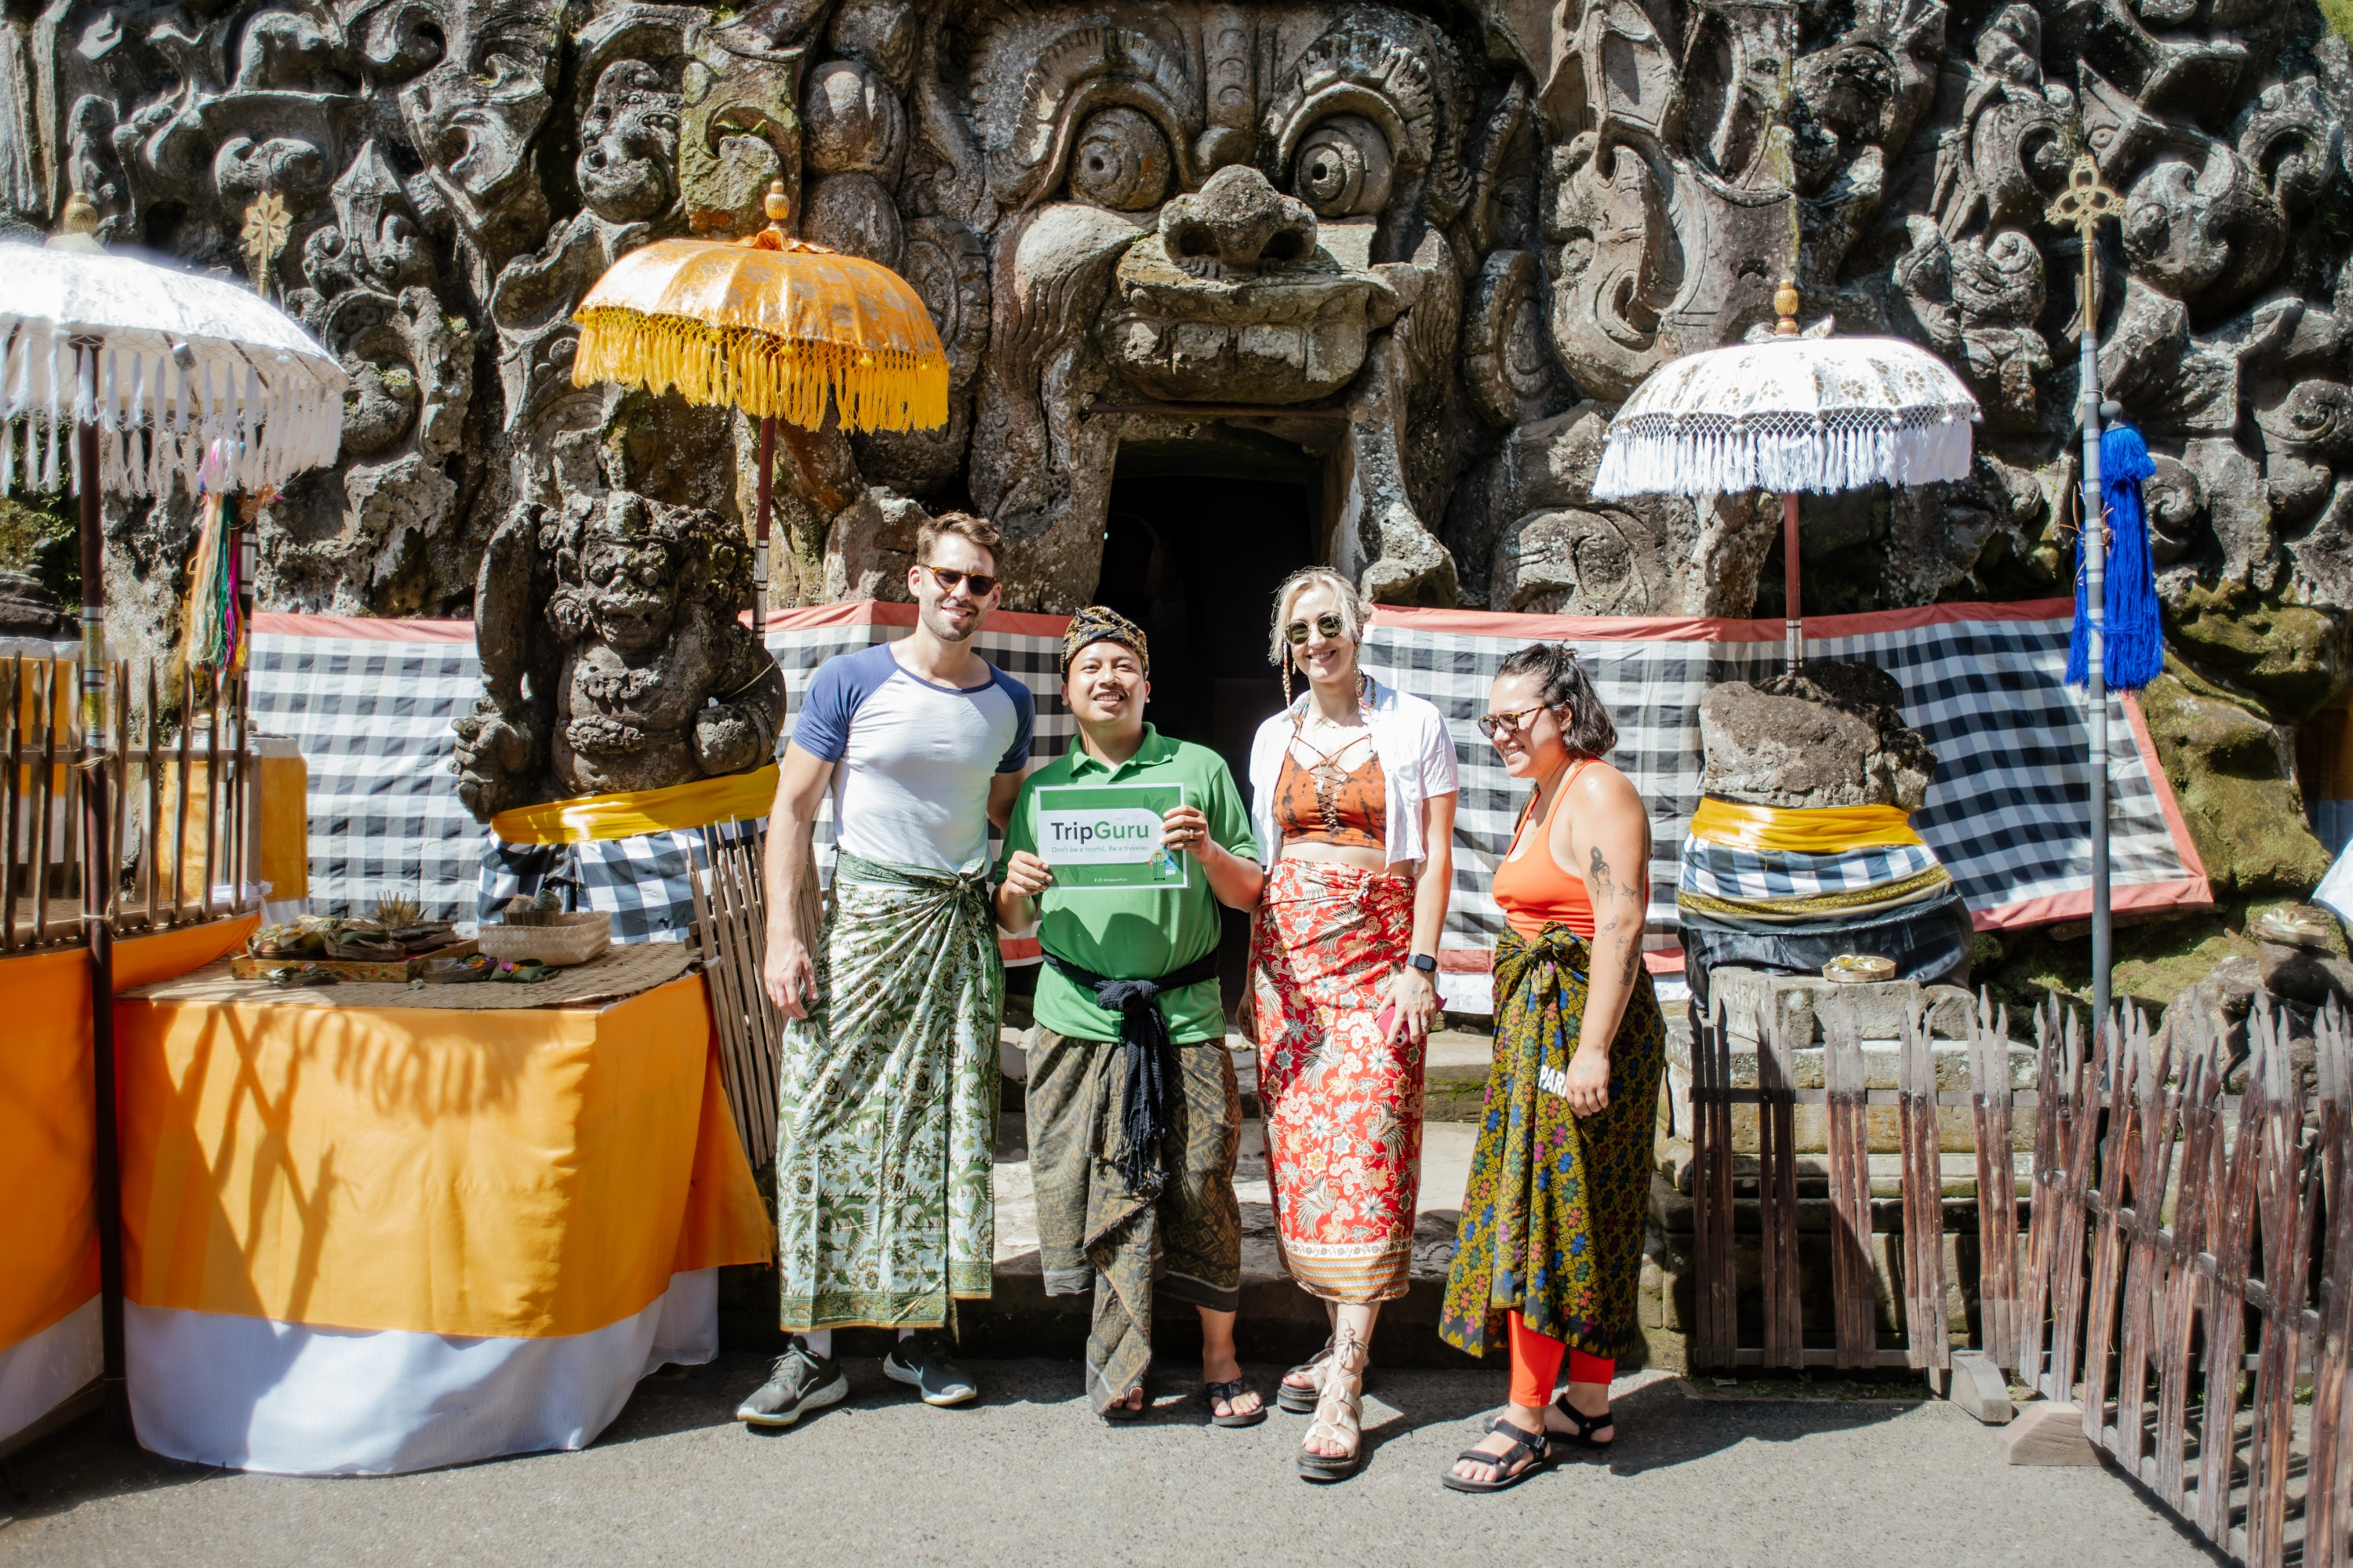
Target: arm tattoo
1603,889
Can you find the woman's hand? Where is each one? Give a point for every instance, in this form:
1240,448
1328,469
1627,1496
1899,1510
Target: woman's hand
1026,875
1184,828
1414,995
1587,1088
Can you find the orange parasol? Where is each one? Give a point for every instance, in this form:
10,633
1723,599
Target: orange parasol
774,326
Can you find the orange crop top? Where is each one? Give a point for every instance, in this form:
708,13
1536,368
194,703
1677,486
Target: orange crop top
1533,890
1355,816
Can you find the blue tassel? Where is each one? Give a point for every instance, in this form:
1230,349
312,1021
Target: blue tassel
2134,649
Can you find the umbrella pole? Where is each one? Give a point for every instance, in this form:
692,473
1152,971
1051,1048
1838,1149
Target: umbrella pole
97,881
760,535
1795,626
2095,604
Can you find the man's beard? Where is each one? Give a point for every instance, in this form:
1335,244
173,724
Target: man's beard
937,623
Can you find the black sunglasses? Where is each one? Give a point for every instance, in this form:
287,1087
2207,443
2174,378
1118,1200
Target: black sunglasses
981,583
1328,623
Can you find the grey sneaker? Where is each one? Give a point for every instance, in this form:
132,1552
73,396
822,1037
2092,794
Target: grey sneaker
800,1382
922,1362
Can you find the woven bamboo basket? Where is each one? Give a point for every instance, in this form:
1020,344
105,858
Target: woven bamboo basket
567,939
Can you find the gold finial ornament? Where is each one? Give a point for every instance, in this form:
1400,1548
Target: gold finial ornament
778,206
2081,207
77,227
1785,305
267,224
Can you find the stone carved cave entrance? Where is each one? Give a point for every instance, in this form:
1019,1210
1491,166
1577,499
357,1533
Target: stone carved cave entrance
1199,536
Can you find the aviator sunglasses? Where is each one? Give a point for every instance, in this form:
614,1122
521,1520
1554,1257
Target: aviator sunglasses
980,583
1329,623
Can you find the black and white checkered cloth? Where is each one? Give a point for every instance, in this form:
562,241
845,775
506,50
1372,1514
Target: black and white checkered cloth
2005,814
643,881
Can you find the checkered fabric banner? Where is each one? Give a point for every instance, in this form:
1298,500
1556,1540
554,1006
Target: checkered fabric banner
1983,682
371,702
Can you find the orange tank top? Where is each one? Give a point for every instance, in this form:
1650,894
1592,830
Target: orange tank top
1531,889
1353,815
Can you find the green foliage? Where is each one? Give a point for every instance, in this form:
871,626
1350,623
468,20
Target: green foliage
37,536
2338,15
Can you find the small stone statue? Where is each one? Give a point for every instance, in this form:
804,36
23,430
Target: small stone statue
612,657
1832,735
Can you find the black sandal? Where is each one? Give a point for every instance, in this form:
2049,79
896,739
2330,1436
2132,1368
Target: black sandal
1536,1445
1213,1392
1120,1411
1582,1427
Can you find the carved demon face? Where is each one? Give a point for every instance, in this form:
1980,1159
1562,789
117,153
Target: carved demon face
1252,169
629,143
631,591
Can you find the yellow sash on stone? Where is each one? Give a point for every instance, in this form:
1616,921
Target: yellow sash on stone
1821,830
626,813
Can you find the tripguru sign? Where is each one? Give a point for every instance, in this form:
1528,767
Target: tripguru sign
1107,835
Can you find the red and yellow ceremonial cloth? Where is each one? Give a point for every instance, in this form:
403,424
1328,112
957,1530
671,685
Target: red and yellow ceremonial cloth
363,1240
48,1224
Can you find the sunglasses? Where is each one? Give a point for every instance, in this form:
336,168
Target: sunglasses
1328,623
980,584
1492,725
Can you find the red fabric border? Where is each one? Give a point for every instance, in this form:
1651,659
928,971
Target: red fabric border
363,628
1705,629
889,612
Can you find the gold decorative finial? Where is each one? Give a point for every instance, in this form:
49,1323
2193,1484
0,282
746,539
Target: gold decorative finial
1785,305
267,224
780,207
77,227
2081,207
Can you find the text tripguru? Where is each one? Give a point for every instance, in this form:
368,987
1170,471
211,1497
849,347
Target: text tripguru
1098,832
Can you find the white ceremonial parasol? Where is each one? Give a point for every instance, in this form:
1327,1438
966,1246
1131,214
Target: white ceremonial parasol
139,374
1790,413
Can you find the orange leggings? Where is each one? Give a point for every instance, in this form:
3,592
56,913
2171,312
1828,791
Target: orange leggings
1536,1364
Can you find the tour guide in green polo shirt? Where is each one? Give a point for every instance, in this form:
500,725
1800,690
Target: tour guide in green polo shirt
1134,1117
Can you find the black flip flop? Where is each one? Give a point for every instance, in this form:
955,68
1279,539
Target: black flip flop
1536,1445
1213,1392
1121,1412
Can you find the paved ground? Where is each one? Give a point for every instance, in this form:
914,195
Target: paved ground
1029,1477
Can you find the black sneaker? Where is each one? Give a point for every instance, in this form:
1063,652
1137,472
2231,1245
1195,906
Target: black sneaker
800,1382
922,1362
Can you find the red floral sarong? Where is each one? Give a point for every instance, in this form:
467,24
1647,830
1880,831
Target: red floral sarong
1342,1110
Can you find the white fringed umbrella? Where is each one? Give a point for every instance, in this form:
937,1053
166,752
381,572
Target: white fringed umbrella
164,365
141,374
1790,413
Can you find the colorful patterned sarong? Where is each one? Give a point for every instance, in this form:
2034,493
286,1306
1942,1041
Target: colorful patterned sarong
1343,1108
1553,1214
1097,1231
888,1100
1745,864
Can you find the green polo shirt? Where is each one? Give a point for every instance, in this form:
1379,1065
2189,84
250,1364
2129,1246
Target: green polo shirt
1134,933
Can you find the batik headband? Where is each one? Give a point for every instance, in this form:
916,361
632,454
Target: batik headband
1097,624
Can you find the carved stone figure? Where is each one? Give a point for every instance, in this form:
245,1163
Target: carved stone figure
615,660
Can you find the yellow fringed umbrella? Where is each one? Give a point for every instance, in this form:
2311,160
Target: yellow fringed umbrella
774,326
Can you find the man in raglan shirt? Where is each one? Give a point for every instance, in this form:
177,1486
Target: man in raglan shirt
888,1085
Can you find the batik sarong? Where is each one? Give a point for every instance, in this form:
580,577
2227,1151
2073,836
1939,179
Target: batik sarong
1098,1231
1343,1106
887,1129
1553,1214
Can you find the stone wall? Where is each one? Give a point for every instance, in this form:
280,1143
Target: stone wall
1429,245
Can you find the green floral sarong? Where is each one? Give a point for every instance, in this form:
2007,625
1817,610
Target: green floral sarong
888,1097
1553,1216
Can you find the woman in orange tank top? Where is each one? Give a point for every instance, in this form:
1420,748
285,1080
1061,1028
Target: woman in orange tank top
1549,1249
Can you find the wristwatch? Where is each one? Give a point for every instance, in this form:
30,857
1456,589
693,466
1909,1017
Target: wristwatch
1424,963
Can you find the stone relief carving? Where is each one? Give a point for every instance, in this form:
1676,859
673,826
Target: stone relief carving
1431,245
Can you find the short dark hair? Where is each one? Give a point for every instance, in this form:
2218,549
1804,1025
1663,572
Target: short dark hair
973,530
1590,729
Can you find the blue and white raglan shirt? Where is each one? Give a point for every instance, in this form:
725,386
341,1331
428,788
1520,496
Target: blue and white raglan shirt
913,759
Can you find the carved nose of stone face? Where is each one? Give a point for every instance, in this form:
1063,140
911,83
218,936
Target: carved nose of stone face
1239,222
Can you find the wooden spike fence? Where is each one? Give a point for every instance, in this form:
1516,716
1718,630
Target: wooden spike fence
182,798
731,921
2185,1277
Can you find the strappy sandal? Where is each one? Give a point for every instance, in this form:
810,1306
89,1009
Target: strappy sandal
1582,1427
1300,1401
1340,1417
1536,1445
1231,1392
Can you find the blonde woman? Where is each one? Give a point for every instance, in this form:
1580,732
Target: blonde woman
1353,788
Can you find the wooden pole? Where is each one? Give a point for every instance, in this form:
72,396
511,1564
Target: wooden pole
760,535
97,879
1785,305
